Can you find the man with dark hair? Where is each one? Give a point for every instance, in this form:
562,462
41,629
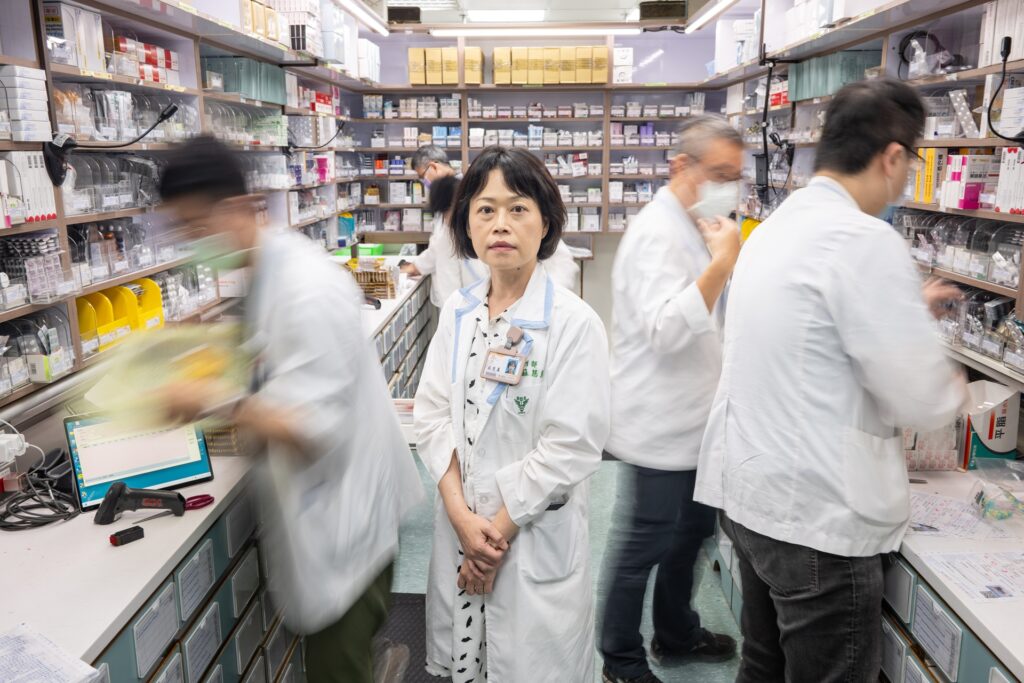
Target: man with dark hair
338,475
830,351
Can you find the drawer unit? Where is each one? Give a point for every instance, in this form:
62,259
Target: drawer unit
244,581
172,670
241,645
257,672
293,670
277,646
239,524
199,646
895,648
900,584
141,646
378,343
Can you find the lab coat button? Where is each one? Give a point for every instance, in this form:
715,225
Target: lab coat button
484,500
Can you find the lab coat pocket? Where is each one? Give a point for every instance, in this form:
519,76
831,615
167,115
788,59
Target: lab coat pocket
550,544
520,406
875,478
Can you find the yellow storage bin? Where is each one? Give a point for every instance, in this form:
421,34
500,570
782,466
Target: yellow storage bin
126,306
110,329
151,304
88,325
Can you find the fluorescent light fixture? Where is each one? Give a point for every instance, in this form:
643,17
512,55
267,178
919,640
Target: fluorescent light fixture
650,59
708,14
531,32
633,14
510,16
365,16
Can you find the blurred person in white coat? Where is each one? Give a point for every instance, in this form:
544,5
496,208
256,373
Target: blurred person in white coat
509,595
337,475
830,350
448,271
669,288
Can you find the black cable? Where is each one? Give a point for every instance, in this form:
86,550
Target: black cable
764,136
331,139
167,113
40,504
1004,52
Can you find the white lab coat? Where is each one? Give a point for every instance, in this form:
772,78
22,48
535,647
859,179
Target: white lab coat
666,345
332,525
448,273
540,617
829,351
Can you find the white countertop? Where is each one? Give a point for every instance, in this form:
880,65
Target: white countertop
67,581
997,625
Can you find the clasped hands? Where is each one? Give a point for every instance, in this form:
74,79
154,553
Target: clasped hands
484,544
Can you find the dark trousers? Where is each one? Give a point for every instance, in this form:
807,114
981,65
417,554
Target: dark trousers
657,523
808,616
343,652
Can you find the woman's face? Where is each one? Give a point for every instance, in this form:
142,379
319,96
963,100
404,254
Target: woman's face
506,229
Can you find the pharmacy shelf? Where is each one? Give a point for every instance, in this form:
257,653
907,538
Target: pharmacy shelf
131,277
72,74
871,25
367,207
394,237
640,148
399,120
584,205
737,74
253,147
968,76
26,390
812,101
22,228
9,60
986,366
967,142
971,281
302,111
534,120
310,221
9,146
369,178
625,205
197,315
991,215
760,112
568,148
312,186
389,150
27,309
639,176
106,215
136,147
236,98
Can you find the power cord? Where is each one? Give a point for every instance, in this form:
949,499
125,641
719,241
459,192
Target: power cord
39,503
1004,52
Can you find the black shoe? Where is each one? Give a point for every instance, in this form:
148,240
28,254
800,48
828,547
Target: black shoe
712,647
608,677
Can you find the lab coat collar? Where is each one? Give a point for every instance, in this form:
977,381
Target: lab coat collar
531,312
824,182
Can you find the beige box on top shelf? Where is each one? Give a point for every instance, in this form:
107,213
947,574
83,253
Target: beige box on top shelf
245,15
567,65
259,18
435,66
520,65
450,65
584,64
536,66
552,66
473,64
502,58
599,73
417,66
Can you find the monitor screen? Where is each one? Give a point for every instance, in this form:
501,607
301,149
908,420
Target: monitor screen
103,452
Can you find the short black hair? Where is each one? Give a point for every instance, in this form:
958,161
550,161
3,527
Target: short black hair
441,194
525,175
863,118
202,167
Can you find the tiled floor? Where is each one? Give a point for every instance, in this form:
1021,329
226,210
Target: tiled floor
411,574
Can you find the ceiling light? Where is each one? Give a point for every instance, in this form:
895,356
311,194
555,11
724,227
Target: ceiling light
531,32
498,16
633,14
365,16
708,14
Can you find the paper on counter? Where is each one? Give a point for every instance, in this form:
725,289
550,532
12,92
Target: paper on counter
932,515
27,656
984,577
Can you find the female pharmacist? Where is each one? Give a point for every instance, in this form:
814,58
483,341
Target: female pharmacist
449,272
511,415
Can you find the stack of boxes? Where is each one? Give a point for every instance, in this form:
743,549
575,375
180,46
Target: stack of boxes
26,100
537,66
439,65
263,18
136,59
369,60
339,36
74,36
302,18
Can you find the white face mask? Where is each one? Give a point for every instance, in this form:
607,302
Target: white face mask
716,199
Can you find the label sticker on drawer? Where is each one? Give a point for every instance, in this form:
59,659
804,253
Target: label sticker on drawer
257,672
914,672
938,633
996,676
174,671
216,676
245,581
195,579
894,652
201,645
154,630
241,522
898,591
248,636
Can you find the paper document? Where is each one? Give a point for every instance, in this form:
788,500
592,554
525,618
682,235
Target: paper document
982,576
27,656
932,515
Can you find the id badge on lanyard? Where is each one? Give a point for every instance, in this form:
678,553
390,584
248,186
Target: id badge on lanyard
505,365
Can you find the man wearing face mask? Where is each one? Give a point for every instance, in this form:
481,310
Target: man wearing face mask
830,350
668,283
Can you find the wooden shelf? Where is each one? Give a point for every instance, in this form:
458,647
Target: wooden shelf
395,237
21,393
10,146
971,281
812,101
23,228
236,98
106,215
641,148
367,207
196,316
639,176
970,75
250,147
967,142
310,221
567,148
624,205
586,119
986,366
992,215
30,308
420,121
368,178
11,60
389,150
137,147
72,74
131,277
759,112
312,186
648,119
584,205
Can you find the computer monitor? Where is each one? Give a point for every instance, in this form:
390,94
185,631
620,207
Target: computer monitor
103,452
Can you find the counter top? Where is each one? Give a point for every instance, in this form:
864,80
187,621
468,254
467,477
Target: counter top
997,625
71,585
